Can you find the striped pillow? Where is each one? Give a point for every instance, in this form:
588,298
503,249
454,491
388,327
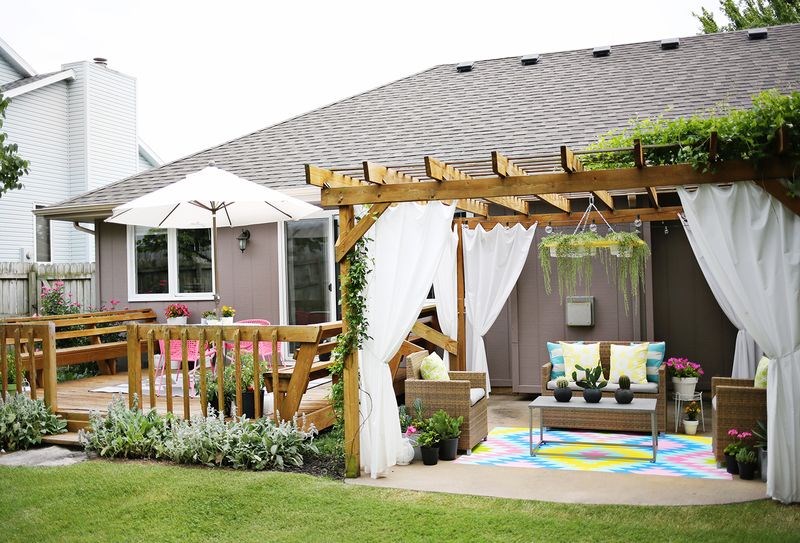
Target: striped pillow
557,359
655,357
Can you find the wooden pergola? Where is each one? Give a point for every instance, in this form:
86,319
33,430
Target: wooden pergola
529,189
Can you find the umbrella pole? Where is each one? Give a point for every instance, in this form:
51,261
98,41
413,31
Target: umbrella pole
215,263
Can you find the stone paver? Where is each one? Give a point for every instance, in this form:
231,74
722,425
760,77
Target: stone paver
43,457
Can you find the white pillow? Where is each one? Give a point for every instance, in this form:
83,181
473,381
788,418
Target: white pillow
630,360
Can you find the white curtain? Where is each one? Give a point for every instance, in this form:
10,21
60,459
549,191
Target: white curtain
493,261
445,289
751,244
406,247
747,351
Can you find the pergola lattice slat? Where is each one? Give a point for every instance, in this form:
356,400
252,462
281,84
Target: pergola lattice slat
572,164
502,166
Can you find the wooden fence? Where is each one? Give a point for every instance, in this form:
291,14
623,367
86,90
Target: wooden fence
21,283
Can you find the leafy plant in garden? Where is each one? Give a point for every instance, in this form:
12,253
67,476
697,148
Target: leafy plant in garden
12,166
23,422
444,425
745,14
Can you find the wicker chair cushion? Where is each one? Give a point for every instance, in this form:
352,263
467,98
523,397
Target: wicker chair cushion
557,359
476,395
648,388
433,368
630,360
575,354
761,373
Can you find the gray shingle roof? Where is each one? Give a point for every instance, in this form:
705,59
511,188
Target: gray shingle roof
568,98
25,81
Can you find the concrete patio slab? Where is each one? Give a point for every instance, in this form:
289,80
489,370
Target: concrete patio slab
44,457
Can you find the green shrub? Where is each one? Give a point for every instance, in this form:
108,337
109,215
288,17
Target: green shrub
445,426
124,432
23,422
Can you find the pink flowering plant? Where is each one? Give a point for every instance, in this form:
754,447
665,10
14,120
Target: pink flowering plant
54,300
683,367
739,440
176,310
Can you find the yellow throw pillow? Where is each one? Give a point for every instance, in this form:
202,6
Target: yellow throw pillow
761,373
433,369
586,355
630,360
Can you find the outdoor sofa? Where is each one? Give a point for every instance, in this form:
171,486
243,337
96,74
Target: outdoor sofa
599,420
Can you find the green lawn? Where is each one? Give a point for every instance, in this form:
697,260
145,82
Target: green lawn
133,501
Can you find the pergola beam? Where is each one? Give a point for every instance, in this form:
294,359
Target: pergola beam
383,175
321,177
617,179
347,240
572,164
646,214
441,171
504,167
639,162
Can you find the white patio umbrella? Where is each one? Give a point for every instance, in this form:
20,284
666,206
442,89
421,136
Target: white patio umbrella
210,198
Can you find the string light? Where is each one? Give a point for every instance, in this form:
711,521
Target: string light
548,229
593,227
638,222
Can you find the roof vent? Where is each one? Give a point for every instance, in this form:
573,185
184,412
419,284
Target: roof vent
465,66
670,43
528,60
603,51
757,33
100,61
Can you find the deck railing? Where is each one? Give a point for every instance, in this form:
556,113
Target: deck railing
26,339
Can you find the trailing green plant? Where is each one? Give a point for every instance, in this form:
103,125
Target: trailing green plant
429,438
355,322
444,425
591,379
624,382
562,382
211,441
630,262
23,422
743,134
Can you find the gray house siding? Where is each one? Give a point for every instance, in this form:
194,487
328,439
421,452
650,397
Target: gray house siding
7,72
248,281
38,123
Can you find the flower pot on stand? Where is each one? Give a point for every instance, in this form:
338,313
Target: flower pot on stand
690,426
430,455
176,320
685,386
592,395
405,453
448,448
731,466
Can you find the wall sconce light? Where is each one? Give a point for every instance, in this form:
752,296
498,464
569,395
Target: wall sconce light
243,238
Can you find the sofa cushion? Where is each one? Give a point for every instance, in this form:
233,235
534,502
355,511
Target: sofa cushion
647,388
556,359
630,360
579,354
761,373
655,357
476,395
434,369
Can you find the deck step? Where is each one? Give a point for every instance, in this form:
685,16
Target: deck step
70,439
76,420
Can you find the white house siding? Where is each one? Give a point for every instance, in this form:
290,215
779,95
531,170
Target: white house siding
77,129
111,121
38,123
7,72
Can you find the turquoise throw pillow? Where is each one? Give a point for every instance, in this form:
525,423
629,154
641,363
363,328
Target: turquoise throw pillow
655,357
557,359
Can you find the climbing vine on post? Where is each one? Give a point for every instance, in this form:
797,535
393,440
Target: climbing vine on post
355,322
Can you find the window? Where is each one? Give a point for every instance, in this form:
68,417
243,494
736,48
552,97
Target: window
169,263
43,253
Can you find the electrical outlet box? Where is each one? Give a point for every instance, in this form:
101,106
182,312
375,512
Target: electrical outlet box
580,310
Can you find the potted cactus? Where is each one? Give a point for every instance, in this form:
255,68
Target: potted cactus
562,392
624,394
592,384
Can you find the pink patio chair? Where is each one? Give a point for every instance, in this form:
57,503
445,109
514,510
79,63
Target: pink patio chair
264,347
176,358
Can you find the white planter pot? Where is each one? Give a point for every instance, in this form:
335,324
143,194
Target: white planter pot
226,320
690,426
405,453
212,322
176,320
685,386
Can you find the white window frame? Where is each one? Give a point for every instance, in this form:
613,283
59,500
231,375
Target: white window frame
283,275
172,272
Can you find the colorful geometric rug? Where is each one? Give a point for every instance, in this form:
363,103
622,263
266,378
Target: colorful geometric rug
678,455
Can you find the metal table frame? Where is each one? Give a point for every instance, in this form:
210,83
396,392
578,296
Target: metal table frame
604,405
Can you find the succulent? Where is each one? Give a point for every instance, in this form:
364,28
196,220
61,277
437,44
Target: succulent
592,377
624,382
562,382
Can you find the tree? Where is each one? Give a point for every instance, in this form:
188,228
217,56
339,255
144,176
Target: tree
743,14
12,166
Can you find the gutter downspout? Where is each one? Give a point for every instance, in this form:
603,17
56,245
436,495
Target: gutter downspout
83,229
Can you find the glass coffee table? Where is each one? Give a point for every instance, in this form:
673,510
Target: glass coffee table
638,405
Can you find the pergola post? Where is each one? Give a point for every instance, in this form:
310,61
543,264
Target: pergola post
352,456
461,362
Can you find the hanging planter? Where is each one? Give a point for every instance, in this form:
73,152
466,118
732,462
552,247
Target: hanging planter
574,256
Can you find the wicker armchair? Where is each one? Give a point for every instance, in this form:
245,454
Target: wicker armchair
735,404
452,396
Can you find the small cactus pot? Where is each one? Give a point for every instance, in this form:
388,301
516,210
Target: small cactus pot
562,394
592,395
623,395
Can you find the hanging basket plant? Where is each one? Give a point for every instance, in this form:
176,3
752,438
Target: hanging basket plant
574,254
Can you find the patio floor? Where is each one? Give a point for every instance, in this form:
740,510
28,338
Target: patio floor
560,485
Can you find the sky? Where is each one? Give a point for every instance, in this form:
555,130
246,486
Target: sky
208,72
